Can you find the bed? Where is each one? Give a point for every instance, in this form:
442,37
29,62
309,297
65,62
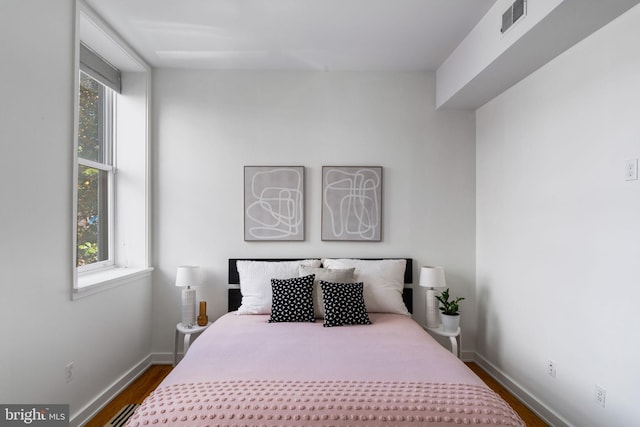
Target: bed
251,369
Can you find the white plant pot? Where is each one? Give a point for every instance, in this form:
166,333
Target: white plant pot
450,323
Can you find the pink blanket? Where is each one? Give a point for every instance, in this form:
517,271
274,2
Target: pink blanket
243,371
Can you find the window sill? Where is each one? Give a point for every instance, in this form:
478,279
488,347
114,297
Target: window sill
90,283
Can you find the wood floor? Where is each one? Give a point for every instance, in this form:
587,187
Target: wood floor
529,418
135,393
150,379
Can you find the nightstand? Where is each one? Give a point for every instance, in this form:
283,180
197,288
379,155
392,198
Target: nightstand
187,332
454,337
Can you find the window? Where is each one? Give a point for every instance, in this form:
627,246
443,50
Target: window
95,185
111,243
96,145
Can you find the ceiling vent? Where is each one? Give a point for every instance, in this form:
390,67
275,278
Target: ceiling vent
513,14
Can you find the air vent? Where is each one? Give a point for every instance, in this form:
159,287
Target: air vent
513,14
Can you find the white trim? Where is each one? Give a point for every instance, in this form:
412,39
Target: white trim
162,358
540,409
133,257
147,167
467,356
75,168
93,282
103,37
85,414
94,266
95,165
107,165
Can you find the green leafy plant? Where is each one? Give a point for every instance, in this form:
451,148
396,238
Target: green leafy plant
448,307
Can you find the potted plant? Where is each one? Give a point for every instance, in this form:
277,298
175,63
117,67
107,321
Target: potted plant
450,314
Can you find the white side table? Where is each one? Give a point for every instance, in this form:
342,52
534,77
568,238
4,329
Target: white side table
187,332
454,337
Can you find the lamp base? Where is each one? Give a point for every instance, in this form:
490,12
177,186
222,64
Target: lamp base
433,314
188,307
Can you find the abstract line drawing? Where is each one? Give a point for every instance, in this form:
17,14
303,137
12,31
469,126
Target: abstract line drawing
351,203
273,203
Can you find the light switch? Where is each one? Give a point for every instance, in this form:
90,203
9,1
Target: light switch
631,170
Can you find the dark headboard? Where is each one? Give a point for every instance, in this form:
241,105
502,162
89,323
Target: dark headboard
235,297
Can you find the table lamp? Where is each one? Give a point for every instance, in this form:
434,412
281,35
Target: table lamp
432,278
188,276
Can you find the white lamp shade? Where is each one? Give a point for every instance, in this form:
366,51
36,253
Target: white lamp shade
432,277
188,275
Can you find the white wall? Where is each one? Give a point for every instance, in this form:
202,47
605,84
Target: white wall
484,45
106,334
558,229
208,125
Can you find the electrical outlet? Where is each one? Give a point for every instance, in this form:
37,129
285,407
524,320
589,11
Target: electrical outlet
551,368
631,170
68,372
601,395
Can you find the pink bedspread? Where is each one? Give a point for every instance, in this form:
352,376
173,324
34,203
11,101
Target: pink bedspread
243,371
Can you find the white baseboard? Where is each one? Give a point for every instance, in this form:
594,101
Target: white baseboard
468,356
530,401
91,410
163,358
84,415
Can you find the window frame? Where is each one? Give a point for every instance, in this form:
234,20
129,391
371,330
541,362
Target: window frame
131,158
108,114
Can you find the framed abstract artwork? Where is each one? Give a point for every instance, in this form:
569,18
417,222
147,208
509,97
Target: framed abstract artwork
352,203
273,203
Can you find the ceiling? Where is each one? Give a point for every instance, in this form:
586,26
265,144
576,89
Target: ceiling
324,35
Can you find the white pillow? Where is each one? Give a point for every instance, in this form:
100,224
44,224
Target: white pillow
383,282
328,275
255,281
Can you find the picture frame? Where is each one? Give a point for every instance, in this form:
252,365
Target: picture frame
273,203
351,203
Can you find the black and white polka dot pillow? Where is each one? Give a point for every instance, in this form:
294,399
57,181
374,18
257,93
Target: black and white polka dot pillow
344,304
292,300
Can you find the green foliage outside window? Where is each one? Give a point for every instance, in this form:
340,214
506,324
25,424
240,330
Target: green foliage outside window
91,182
